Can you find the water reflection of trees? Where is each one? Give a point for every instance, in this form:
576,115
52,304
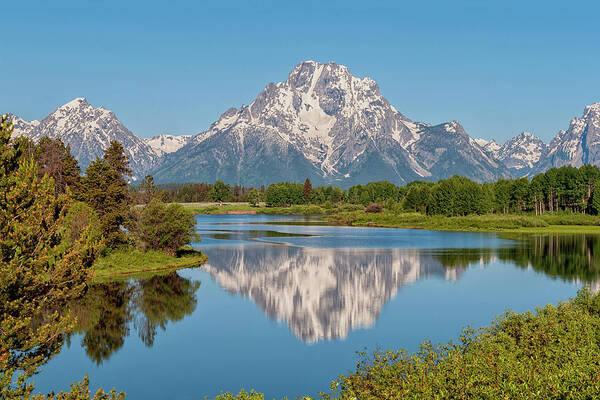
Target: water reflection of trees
562,256
568,257
108,311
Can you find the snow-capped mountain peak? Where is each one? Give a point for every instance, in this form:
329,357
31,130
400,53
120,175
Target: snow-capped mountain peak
88,131
522,152
339,125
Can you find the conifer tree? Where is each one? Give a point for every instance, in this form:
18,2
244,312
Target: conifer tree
37,277
307,190
104,187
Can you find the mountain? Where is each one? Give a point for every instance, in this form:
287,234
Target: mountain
22,127
489,146
322,123
578,145
164,144
522,153
332,127
88,131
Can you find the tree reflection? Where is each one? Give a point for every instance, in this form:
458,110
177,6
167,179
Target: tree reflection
162,299
108,311
562,256
568,257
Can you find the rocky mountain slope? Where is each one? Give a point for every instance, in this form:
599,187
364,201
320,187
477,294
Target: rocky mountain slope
578,145
89,131
328,125
164,144
520,154
322,123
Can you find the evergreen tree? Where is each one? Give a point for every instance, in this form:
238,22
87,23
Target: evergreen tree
307,190
115,156
147,189
104,187
220,192
55,160
37,277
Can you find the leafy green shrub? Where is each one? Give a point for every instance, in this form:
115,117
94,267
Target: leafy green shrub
549,354
254,197
164,227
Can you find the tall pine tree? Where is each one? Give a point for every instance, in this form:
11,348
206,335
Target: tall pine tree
104,187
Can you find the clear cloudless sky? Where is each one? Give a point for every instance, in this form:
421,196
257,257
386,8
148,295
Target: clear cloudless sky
498,67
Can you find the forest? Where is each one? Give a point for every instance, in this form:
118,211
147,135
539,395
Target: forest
567,189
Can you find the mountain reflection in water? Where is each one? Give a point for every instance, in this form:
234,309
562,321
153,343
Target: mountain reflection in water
320,294
326,293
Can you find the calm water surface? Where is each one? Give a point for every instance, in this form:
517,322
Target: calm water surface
282,307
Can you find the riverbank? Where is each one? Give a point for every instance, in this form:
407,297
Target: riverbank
509,223
262,209
134,262
354,215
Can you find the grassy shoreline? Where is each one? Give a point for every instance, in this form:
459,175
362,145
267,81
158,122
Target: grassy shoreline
509,223
247,209
128,263
354,215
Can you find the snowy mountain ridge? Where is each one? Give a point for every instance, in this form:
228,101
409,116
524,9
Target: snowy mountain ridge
323,123
328,125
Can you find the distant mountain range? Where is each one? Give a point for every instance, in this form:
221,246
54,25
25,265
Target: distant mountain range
322,123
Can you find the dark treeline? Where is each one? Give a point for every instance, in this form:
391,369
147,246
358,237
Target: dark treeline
201,192
558,189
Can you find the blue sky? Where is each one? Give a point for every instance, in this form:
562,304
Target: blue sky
498,67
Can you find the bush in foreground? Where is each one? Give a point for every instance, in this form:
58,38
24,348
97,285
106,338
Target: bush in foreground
552,353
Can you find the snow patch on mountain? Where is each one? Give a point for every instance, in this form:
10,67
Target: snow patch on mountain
164,144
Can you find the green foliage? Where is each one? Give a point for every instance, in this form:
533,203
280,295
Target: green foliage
373,192
595,206
38,277
284,194
80,218
130,261
164,227
242,395
55,160
220,192
550,354
254,197
147,190
104,188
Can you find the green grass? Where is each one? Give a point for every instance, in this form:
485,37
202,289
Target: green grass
354,214
550,223
245,208
134,262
